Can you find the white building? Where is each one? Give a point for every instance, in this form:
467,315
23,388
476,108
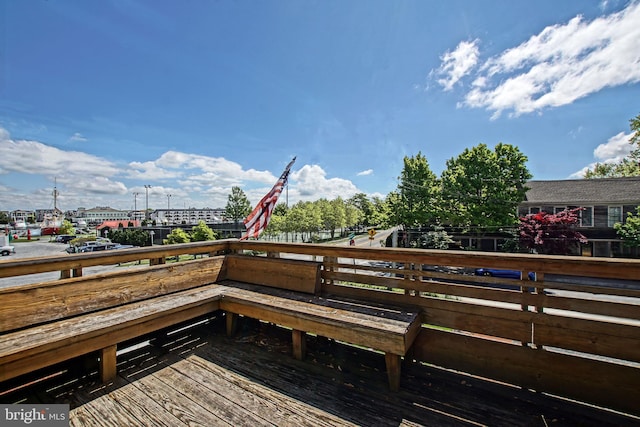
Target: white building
188,216
99,214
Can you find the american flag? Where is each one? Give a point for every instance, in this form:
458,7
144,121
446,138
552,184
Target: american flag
258,220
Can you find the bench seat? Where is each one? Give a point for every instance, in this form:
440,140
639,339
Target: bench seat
379,328
38,346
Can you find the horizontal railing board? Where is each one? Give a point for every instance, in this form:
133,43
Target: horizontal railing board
610,385
565,265
599,327
589,342
379,296
73,261
478,324
597,307
452,289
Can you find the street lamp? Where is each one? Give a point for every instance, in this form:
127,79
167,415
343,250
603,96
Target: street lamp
135,206
168,208
146,212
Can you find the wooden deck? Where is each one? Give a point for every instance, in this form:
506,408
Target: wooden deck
199,376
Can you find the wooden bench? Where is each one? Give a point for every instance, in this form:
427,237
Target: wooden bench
286,292
47,323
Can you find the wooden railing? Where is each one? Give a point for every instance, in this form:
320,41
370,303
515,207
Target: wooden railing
574,332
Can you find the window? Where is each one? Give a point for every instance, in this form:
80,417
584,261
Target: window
615,215
558,209
534,210
586,216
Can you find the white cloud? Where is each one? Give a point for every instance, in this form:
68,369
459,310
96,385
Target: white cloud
365,173
556,67
613,151
455,65
192,180
150,171
33,157
77,137
311,183
214,169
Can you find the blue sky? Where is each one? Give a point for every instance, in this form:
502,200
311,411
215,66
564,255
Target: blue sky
195,97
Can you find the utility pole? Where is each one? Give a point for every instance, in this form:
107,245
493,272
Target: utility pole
146,212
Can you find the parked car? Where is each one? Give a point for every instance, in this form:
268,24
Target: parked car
505,274
7,250
65,238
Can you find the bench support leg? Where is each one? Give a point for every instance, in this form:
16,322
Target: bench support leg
232,323
393,370
299,344
108,364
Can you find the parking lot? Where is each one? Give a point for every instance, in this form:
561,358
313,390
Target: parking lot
36,249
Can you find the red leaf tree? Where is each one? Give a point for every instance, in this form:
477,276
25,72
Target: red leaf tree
552,234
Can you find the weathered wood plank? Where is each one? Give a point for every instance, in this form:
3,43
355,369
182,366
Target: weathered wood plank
103,413
295,275
27,266
142,407
177,404
387,335
44,302
592,341
216,401
24,351
593,306
462,320
264,401
561,374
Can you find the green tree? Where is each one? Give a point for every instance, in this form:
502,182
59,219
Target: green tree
629,166
415,202
202,232
177,235
276,225
629,231
4,218
130,236
436,239
366,208
353,215
482,188
66,228
238,205
332,214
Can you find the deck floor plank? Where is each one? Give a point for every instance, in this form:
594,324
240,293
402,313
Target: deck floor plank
178,404
263,400
216,399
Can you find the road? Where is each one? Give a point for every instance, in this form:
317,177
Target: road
36,249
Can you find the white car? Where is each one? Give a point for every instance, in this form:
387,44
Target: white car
6,250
